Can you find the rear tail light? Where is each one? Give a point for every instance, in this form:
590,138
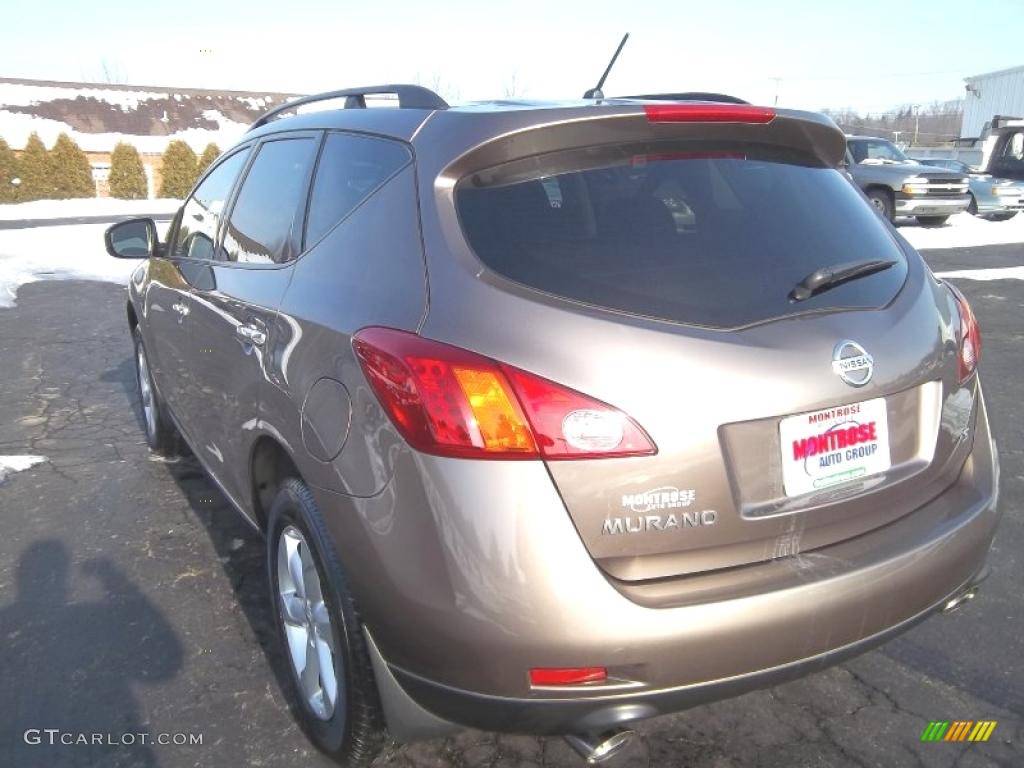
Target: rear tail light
969,339
708,113
568,675
451,402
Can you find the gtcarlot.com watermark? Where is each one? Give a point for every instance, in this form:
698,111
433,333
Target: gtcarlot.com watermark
56,737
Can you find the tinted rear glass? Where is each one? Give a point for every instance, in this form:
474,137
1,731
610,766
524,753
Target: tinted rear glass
697,234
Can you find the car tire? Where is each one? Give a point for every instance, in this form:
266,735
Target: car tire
932,221
1003,216
972,207
350,728
161,434
881,200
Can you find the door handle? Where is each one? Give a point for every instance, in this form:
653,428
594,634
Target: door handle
251,334
181,309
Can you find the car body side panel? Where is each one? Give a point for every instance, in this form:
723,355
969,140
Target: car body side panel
228,370
369,270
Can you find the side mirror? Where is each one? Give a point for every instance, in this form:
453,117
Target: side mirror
132,239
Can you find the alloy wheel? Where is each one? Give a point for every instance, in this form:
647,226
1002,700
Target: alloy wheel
307,624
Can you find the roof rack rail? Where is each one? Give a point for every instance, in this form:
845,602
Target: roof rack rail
689,96
409,97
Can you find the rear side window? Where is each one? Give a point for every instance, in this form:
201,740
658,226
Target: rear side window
351,168
203,210
711,236
261,229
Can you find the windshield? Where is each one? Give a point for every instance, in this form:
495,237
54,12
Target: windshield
698,234
876,150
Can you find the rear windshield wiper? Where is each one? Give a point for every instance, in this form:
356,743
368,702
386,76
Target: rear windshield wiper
829,277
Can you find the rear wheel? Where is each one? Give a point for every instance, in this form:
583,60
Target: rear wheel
972,208
160,432
331,675
882,202
932,221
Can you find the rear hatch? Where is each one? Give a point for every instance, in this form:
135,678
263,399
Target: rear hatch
661,258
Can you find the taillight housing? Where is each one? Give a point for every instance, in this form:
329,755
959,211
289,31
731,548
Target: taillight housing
969,338
449,401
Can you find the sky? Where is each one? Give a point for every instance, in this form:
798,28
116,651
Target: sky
868,55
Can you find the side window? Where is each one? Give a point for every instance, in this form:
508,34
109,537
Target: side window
351,168
1015,146
201,212
261,227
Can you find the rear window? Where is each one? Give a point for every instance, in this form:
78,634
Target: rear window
690,233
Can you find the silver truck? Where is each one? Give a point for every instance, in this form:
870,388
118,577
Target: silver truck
899,186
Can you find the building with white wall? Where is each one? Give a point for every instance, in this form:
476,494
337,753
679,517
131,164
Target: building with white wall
993,93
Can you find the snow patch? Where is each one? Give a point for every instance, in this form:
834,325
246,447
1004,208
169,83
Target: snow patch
11,464
74,252
995,273
964,231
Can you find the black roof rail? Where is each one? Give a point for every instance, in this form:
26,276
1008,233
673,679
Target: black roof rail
689,96
409,97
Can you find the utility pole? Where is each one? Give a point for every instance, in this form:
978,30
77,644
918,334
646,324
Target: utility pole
777,80
917,123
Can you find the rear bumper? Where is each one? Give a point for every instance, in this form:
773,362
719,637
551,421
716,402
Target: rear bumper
436,709
517,590
931,206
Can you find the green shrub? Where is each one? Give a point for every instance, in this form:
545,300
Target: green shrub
179,170
72,174
8,173
211,153
127,176
36,171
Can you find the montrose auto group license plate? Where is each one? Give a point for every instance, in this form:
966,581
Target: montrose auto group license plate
835,445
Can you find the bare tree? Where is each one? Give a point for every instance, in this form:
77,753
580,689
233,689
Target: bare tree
111,72
512,88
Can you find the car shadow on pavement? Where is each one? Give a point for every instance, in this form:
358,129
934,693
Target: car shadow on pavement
68,668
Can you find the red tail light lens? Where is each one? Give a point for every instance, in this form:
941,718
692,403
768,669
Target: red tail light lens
969,340
708,113
568,675
451,402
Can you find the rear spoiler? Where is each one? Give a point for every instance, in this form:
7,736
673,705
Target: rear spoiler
629,122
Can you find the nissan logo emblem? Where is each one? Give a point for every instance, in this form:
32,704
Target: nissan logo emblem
852,364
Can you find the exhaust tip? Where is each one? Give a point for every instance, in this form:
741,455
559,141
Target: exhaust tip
597,748
960,600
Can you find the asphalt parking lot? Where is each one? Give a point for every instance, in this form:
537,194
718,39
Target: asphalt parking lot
132,598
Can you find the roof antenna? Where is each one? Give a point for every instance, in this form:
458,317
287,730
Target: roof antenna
596,92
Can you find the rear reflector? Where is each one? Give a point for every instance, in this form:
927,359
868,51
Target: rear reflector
708,113
452,402
568,675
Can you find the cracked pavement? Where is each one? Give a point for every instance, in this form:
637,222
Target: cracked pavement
133,598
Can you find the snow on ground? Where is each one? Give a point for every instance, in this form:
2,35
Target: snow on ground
964,230
90,206
10,464
995,273
57,253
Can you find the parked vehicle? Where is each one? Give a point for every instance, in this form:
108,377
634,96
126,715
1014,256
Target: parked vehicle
899,186
991,198
556,417
1004,150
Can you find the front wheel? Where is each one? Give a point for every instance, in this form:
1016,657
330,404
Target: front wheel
321,633
932,221
881,201
161,435
1003,216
